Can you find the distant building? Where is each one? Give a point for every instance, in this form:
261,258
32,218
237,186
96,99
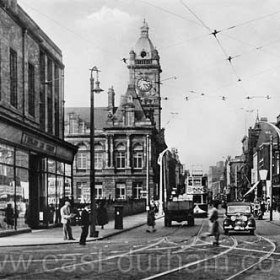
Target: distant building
128,137
216,180
35,161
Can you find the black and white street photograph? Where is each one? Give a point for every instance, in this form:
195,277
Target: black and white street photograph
139,139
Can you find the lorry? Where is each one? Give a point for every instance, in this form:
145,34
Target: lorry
178,210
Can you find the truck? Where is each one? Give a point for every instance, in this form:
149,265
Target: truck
178,210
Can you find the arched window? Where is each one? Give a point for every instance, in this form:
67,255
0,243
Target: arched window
120,156
137,156
81,157
98,156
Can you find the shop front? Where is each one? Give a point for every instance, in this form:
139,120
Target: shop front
35,179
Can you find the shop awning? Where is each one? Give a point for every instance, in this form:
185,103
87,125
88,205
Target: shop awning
252,188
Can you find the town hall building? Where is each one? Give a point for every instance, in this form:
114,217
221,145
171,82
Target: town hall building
128,138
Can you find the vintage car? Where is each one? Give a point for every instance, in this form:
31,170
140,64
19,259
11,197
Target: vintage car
239,217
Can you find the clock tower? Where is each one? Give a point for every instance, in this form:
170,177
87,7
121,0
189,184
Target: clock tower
144,75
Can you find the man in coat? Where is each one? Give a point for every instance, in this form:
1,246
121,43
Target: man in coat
85,224
65,213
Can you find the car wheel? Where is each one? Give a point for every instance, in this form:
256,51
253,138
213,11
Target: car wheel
252,232
226,232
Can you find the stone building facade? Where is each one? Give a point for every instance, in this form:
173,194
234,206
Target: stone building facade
35,161
128,137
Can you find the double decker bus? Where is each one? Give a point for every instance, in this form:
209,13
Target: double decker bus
196,190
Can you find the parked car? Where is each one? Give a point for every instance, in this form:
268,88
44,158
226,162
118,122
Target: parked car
239,217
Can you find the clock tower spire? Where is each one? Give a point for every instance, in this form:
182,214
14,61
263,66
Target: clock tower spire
144,75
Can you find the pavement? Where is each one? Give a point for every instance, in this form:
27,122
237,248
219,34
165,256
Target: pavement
53,236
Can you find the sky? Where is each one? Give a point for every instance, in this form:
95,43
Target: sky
220,63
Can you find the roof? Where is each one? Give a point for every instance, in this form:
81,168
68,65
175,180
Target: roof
100,115
135,103
144,44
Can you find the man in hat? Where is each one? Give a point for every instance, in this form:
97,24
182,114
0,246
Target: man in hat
66,216
84,224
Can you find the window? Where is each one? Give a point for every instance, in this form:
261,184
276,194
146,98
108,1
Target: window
50,95
138,156
98,160
120,160
98,191
31,89
120,191
42,91
98,156
13,78
82,160
56,100
120,156
84,190
137,188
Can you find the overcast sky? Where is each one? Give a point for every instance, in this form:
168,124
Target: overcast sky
222,82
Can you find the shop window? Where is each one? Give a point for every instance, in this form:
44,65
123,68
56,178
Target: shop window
120,191
6,154
68,169
22,159
68,188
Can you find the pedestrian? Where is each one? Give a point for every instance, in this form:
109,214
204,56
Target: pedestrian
102,215
66,216
213,225
84,224
9,216
151,219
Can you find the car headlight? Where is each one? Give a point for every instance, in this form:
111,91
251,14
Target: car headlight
233,218
244,218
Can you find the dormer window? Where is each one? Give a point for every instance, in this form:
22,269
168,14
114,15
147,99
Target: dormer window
143,54
129,99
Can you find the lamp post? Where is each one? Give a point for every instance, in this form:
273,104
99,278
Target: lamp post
263,176
147,176
270,174
160,158
93,90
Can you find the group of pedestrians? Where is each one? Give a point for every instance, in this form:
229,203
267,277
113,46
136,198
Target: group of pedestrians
67,216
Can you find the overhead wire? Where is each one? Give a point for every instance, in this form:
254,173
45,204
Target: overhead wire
214,33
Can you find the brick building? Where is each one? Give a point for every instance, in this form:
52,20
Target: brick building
35,161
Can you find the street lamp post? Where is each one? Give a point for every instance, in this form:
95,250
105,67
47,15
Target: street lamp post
147,177
160,158
270,172
93,90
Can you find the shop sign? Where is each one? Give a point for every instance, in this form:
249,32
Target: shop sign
35,143
196,190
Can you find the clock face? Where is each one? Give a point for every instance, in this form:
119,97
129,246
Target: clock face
144,84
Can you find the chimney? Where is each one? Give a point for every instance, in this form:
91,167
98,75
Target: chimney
111,99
